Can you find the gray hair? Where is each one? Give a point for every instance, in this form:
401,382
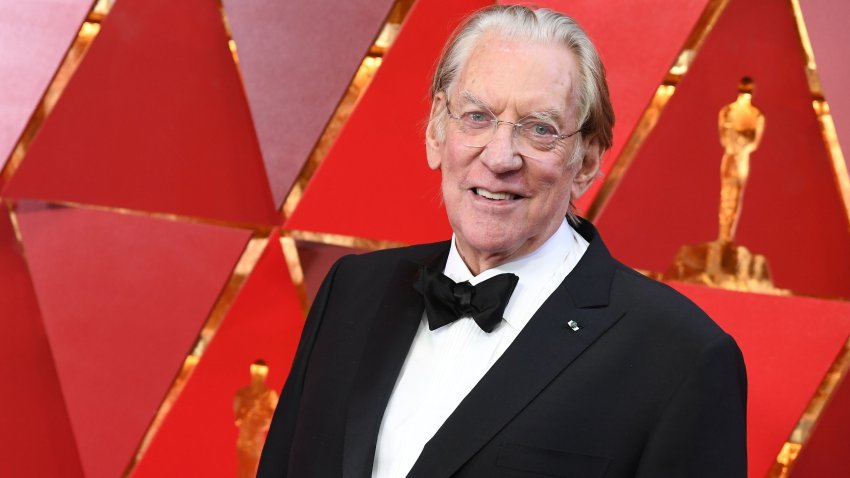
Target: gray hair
594,111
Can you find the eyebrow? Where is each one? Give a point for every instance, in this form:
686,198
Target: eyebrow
550,114
474,99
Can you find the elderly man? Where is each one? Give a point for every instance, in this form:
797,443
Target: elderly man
520,348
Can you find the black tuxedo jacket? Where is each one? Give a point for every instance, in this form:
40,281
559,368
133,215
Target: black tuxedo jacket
648,386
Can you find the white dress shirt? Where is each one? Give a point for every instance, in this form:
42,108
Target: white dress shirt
444,365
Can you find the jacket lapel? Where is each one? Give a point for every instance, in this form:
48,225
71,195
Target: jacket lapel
398,318
540,352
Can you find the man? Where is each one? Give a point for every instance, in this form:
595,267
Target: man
520,348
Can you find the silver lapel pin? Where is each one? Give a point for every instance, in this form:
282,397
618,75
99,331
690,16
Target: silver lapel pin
573,325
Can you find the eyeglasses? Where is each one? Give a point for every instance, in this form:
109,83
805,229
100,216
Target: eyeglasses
533,135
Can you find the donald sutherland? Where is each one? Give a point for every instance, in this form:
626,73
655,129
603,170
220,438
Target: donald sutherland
519,348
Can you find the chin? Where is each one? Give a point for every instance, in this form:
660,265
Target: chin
490,243
487,235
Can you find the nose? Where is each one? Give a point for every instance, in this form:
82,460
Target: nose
501,155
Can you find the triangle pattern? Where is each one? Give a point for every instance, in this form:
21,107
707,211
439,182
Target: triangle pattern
791,198
123,298
156,125
37,439
34,39
198,437
293,91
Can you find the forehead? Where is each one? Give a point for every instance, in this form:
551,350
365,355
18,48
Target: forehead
519,75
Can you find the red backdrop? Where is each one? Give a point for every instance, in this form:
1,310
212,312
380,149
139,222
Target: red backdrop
164,155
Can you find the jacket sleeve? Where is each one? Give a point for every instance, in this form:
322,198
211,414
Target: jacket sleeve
702,430
274,461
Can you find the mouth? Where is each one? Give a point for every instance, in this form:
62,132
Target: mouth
495,196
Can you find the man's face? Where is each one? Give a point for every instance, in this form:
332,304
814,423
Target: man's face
512,79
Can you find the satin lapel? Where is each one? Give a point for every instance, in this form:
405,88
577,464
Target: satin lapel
398,317
544,348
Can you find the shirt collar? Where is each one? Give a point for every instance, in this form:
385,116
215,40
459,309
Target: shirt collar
534,270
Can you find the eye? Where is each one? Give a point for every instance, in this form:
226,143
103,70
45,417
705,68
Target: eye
477,120
477,117
543,129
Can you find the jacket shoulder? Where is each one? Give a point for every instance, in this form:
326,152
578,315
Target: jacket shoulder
662,308
388,258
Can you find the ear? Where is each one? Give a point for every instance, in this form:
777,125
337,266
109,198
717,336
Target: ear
588,169
434,137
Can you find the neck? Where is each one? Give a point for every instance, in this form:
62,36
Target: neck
478,261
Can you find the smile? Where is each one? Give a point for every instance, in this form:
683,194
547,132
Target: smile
494,196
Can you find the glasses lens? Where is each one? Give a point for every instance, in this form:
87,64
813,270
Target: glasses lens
531,136
477,128
537,136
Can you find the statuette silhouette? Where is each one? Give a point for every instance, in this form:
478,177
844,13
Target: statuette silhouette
740,125
253,407
723,262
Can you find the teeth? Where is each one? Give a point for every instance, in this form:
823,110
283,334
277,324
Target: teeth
491,195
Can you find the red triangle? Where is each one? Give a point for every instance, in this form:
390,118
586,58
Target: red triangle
792,211
198,437
154,119
294,90
123,299
37,439
35,38
375,181
789,344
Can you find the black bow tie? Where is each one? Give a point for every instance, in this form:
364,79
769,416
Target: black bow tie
447,301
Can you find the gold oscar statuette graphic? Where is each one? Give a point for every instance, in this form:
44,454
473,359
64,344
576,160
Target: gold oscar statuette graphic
253,407
723,262
740,125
